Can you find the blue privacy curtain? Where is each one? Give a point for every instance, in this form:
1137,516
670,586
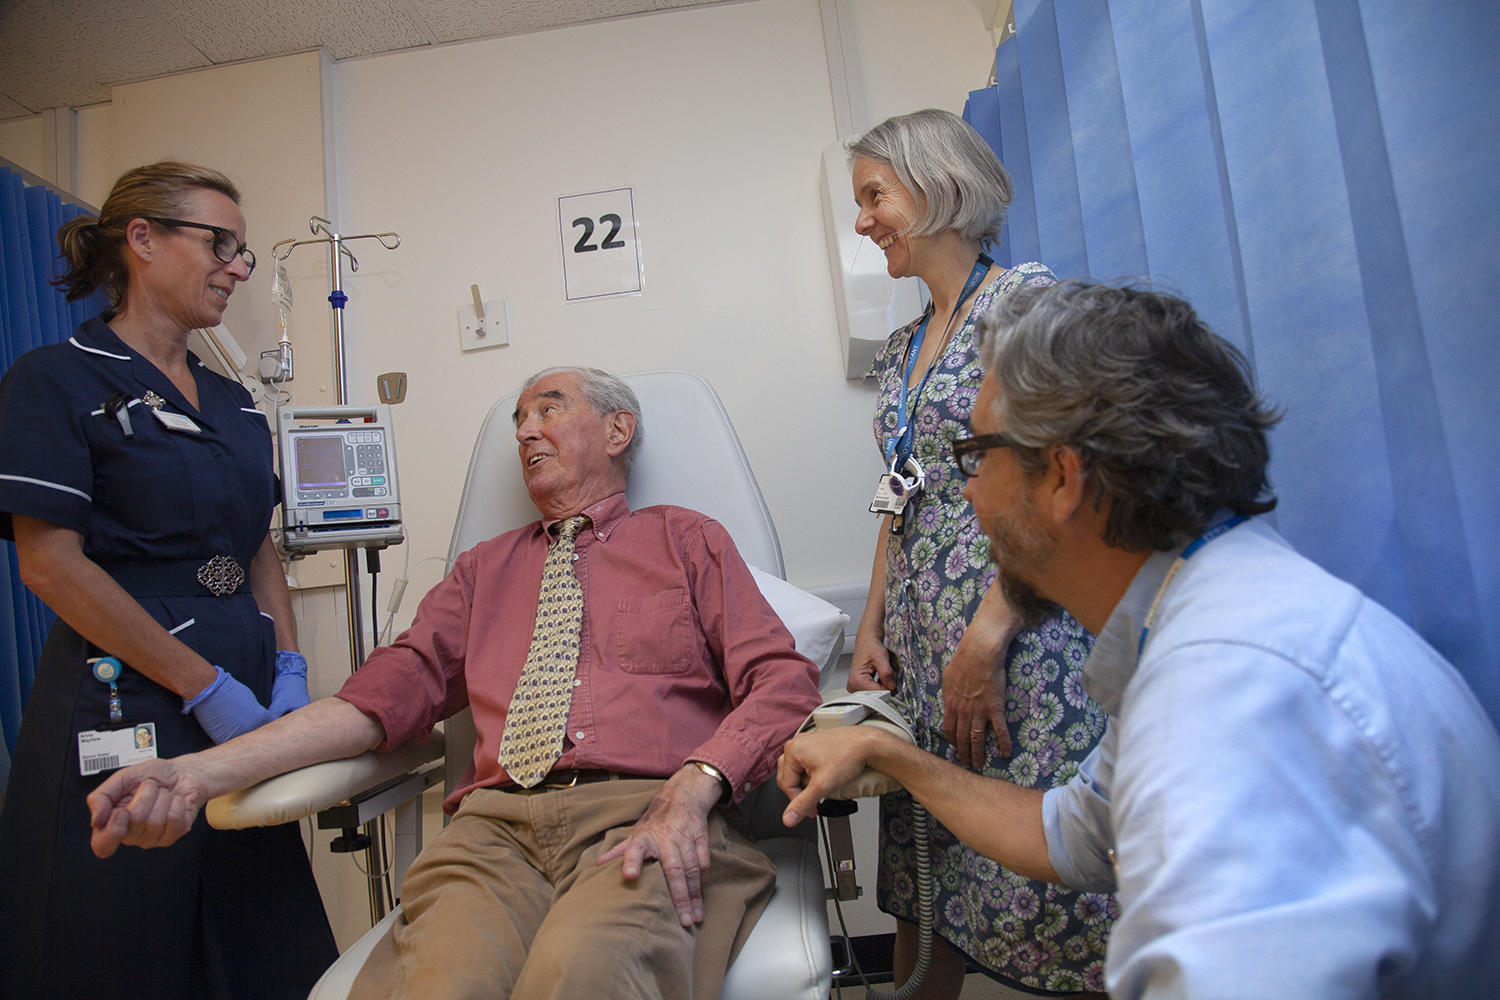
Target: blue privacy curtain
1319,177
34,313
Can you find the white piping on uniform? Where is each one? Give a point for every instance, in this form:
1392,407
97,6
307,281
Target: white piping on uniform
95,350
174,631
251,409
43,482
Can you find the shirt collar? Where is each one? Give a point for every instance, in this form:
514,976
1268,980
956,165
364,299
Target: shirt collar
604,514
98,336
1112,663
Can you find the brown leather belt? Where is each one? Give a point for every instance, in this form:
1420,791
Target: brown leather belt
569,778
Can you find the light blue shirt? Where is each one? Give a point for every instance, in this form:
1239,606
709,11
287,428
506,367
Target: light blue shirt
1302,797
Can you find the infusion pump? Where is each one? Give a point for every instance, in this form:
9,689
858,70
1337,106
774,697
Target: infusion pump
338,478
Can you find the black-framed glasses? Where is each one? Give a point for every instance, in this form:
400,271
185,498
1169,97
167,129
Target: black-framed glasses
968,451
227,246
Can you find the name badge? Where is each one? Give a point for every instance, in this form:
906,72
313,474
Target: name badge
891,494
893,490
105,751
176,422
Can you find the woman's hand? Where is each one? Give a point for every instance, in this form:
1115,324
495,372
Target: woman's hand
871,668
226,708
973,697
974,680
289,690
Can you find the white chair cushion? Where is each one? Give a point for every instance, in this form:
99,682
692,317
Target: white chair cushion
817,627
309,790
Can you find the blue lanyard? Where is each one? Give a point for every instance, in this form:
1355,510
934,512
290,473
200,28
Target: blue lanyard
1213,532
898,448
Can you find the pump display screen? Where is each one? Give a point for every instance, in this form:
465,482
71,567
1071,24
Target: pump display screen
320,463
343,464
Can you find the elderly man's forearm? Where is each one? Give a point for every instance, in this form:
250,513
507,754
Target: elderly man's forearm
328,729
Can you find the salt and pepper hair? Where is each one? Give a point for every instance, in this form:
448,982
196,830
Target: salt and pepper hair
606,393
94,249
954,176
1162,411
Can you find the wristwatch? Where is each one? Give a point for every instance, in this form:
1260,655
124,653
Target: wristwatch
714,772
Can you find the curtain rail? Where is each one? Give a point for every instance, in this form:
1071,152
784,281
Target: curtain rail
32,180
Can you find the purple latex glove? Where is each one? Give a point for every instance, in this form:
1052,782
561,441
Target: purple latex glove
289,691
226,708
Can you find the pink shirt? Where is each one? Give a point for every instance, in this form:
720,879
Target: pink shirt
681,658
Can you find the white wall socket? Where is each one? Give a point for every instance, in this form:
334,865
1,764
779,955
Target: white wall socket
492,331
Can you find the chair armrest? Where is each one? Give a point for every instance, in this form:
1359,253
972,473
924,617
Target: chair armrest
309,790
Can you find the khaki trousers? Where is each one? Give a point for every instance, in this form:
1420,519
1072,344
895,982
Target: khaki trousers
509,902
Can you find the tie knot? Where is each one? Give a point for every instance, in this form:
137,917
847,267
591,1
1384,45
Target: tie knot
569,529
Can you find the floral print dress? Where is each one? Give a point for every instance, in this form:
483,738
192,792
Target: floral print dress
1033,933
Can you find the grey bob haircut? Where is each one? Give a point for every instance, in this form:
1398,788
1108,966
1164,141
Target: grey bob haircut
957,180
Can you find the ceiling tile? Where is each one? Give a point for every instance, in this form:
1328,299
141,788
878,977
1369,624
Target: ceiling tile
119,42
232,30
126,41
457,20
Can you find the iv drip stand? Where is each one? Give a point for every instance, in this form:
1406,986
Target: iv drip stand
374,860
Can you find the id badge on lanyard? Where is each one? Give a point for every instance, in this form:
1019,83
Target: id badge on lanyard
894,490
904,478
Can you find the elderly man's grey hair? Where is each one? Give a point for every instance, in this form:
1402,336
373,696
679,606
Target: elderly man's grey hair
606,393
1162,411
956,179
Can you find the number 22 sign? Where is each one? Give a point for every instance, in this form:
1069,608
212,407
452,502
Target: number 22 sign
601,255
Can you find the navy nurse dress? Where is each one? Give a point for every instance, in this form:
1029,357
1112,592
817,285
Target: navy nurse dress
220,913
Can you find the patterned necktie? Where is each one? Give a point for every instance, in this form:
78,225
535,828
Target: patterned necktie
538,716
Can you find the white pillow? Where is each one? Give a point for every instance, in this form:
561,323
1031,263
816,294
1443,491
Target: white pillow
817,627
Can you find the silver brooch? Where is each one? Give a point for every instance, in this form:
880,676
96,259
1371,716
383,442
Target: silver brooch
152,400
221,575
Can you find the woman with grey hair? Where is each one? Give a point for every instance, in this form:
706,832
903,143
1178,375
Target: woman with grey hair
980,689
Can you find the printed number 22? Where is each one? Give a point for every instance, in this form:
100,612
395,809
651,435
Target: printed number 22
587,225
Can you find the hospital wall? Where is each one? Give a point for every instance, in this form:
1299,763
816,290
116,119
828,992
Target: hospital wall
715,117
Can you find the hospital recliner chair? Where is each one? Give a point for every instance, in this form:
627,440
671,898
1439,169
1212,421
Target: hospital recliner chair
691,457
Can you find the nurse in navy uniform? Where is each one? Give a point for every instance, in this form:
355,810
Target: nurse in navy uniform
138,488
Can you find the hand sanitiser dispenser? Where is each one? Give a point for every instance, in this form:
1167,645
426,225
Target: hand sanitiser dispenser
338,478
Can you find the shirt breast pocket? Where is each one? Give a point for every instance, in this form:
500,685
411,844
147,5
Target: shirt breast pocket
655,634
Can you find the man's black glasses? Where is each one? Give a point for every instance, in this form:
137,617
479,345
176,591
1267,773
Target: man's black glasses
968,451
227,246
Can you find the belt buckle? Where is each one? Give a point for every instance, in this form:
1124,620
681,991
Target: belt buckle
221,576
573,780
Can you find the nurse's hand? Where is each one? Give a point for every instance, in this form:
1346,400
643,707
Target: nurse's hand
226,708
289,691
973,698
870,667
148,805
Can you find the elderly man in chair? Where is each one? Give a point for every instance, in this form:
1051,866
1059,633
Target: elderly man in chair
628,682
1296,796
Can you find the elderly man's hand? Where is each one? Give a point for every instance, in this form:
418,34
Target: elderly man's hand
674,830
149,805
